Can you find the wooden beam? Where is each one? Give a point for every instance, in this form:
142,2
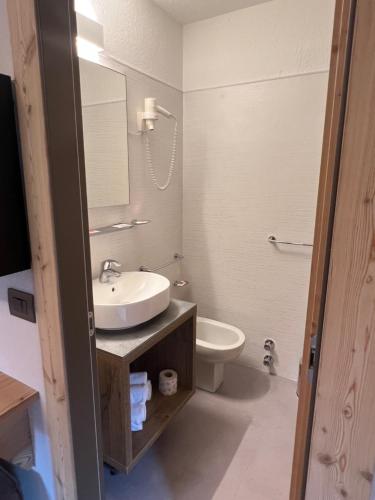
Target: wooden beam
342,458
31,116
335,108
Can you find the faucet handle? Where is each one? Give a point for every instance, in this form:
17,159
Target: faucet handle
107,264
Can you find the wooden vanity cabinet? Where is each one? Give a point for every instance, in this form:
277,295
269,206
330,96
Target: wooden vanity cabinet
167,341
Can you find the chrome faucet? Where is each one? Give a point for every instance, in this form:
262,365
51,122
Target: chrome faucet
108,272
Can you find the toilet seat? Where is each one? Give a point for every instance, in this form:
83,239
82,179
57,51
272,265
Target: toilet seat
213,334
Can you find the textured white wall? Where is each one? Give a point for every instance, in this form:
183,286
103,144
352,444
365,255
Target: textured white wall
141,35
270,40
251,162
20,354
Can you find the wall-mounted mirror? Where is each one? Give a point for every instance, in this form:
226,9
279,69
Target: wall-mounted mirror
105,131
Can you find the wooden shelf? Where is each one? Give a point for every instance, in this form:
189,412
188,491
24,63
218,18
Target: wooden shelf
160,410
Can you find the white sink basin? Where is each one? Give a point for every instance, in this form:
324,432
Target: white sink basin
130,300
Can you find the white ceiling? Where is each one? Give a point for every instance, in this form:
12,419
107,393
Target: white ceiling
188,11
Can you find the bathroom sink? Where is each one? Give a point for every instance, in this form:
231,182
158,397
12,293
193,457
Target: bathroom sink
129,300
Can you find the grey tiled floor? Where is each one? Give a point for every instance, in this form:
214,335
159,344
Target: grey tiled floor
236,444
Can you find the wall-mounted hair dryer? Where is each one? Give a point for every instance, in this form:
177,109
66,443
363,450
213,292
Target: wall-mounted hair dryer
146,122
146,119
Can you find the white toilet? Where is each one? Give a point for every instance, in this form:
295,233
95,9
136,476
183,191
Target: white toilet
217,343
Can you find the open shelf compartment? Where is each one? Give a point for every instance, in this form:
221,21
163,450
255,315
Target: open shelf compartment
176,352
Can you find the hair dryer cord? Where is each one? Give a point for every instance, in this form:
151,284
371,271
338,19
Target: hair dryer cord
172,162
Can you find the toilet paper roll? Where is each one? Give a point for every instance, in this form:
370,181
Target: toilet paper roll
168,382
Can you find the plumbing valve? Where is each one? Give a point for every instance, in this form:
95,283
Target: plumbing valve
268,360
269,345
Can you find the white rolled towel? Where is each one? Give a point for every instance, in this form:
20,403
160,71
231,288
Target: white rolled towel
138,413
138,378
136,426
139,393
149,390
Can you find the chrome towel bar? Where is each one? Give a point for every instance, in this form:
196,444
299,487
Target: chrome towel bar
176,257
119,226
272,239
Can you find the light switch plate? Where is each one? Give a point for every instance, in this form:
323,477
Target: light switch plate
21,304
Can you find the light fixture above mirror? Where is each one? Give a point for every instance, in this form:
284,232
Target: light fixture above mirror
90,39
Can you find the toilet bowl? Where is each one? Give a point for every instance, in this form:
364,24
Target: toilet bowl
217,343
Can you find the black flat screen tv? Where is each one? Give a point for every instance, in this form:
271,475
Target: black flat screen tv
14,237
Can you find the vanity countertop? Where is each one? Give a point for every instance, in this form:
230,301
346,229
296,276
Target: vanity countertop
130,342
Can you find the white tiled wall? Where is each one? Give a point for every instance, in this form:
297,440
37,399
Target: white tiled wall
274,39
251,163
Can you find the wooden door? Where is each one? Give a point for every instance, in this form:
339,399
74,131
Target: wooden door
342,454
332,139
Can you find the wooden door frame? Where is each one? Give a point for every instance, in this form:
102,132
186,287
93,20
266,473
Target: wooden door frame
342,455
43,33
329,171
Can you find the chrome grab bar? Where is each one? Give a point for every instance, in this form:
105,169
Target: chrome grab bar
176,257
272,239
